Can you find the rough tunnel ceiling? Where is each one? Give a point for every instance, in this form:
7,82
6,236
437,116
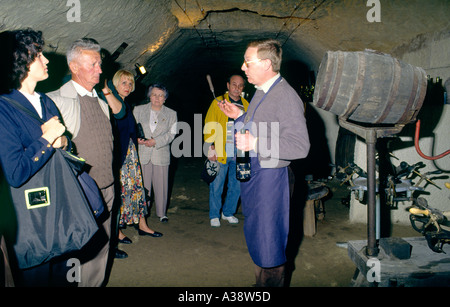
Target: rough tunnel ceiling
224,27
215,46
216,39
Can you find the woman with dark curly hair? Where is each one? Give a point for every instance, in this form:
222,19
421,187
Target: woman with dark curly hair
26,144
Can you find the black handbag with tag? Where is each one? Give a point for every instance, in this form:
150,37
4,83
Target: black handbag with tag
53,214
90,188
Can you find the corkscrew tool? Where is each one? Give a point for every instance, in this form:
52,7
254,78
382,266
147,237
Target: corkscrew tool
211,87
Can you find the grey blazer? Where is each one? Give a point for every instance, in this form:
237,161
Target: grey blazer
164,134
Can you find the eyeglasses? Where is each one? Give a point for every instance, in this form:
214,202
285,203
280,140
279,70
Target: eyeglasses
252,61
158,95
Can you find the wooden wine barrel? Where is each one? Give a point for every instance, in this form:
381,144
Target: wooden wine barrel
369,87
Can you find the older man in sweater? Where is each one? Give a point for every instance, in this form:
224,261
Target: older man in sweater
87,118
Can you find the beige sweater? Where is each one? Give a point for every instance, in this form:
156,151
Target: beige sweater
94,141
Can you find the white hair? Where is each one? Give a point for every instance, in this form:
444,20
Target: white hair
79,45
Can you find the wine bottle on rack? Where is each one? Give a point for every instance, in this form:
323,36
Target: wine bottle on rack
243,164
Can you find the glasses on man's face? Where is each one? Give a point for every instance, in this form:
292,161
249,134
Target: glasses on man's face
251,61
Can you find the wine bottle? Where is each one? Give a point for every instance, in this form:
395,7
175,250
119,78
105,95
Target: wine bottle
243,164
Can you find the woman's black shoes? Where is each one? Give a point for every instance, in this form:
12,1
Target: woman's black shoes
154,234
125,240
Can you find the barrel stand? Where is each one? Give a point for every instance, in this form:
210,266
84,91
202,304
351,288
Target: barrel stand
370,134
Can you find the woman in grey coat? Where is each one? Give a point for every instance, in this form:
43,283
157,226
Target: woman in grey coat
159,127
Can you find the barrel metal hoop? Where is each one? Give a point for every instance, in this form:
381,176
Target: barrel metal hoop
357,91
337,80
322,88
393,93
423,89
412,97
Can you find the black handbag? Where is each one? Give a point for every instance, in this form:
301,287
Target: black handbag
88,185
53,214
90,188
140,131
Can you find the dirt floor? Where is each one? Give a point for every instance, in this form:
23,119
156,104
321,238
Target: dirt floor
192,254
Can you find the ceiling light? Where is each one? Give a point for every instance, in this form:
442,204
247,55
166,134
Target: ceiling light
140,69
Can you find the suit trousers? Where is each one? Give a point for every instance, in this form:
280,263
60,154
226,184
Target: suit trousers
6,278
93,271
157,176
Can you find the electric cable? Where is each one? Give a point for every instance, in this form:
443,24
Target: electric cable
416,144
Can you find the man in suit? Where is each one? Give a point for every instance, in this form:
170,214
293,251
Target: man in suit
87,118
274,117
159,126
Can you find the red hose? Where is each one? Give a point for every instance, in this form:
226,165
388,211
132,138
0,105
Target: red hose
416,143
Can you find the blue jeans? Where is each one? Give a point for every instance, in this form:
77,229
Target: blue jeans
216,190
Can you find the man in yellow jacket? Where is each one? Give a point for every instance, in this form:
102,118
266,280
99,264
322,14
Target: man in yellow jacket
219,132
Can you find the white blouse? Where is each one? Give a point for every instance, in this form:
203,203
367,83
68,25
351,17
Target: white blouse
35,100
153,120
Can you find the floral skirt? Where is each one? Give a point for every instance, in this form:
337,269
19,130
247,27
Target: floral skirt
133,205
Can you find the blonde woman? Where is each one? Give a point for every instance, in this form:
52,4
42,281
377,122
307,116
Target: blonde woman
133,208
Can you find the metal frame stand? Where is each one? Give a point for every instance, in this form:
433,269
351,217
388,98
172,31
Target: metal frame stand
371,134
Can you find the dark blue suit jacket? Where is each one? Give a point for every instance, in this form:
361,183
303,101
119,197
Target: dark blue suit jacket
23,151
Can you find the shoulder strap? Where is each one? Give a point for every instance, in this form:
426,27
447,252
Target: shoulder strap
18,106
